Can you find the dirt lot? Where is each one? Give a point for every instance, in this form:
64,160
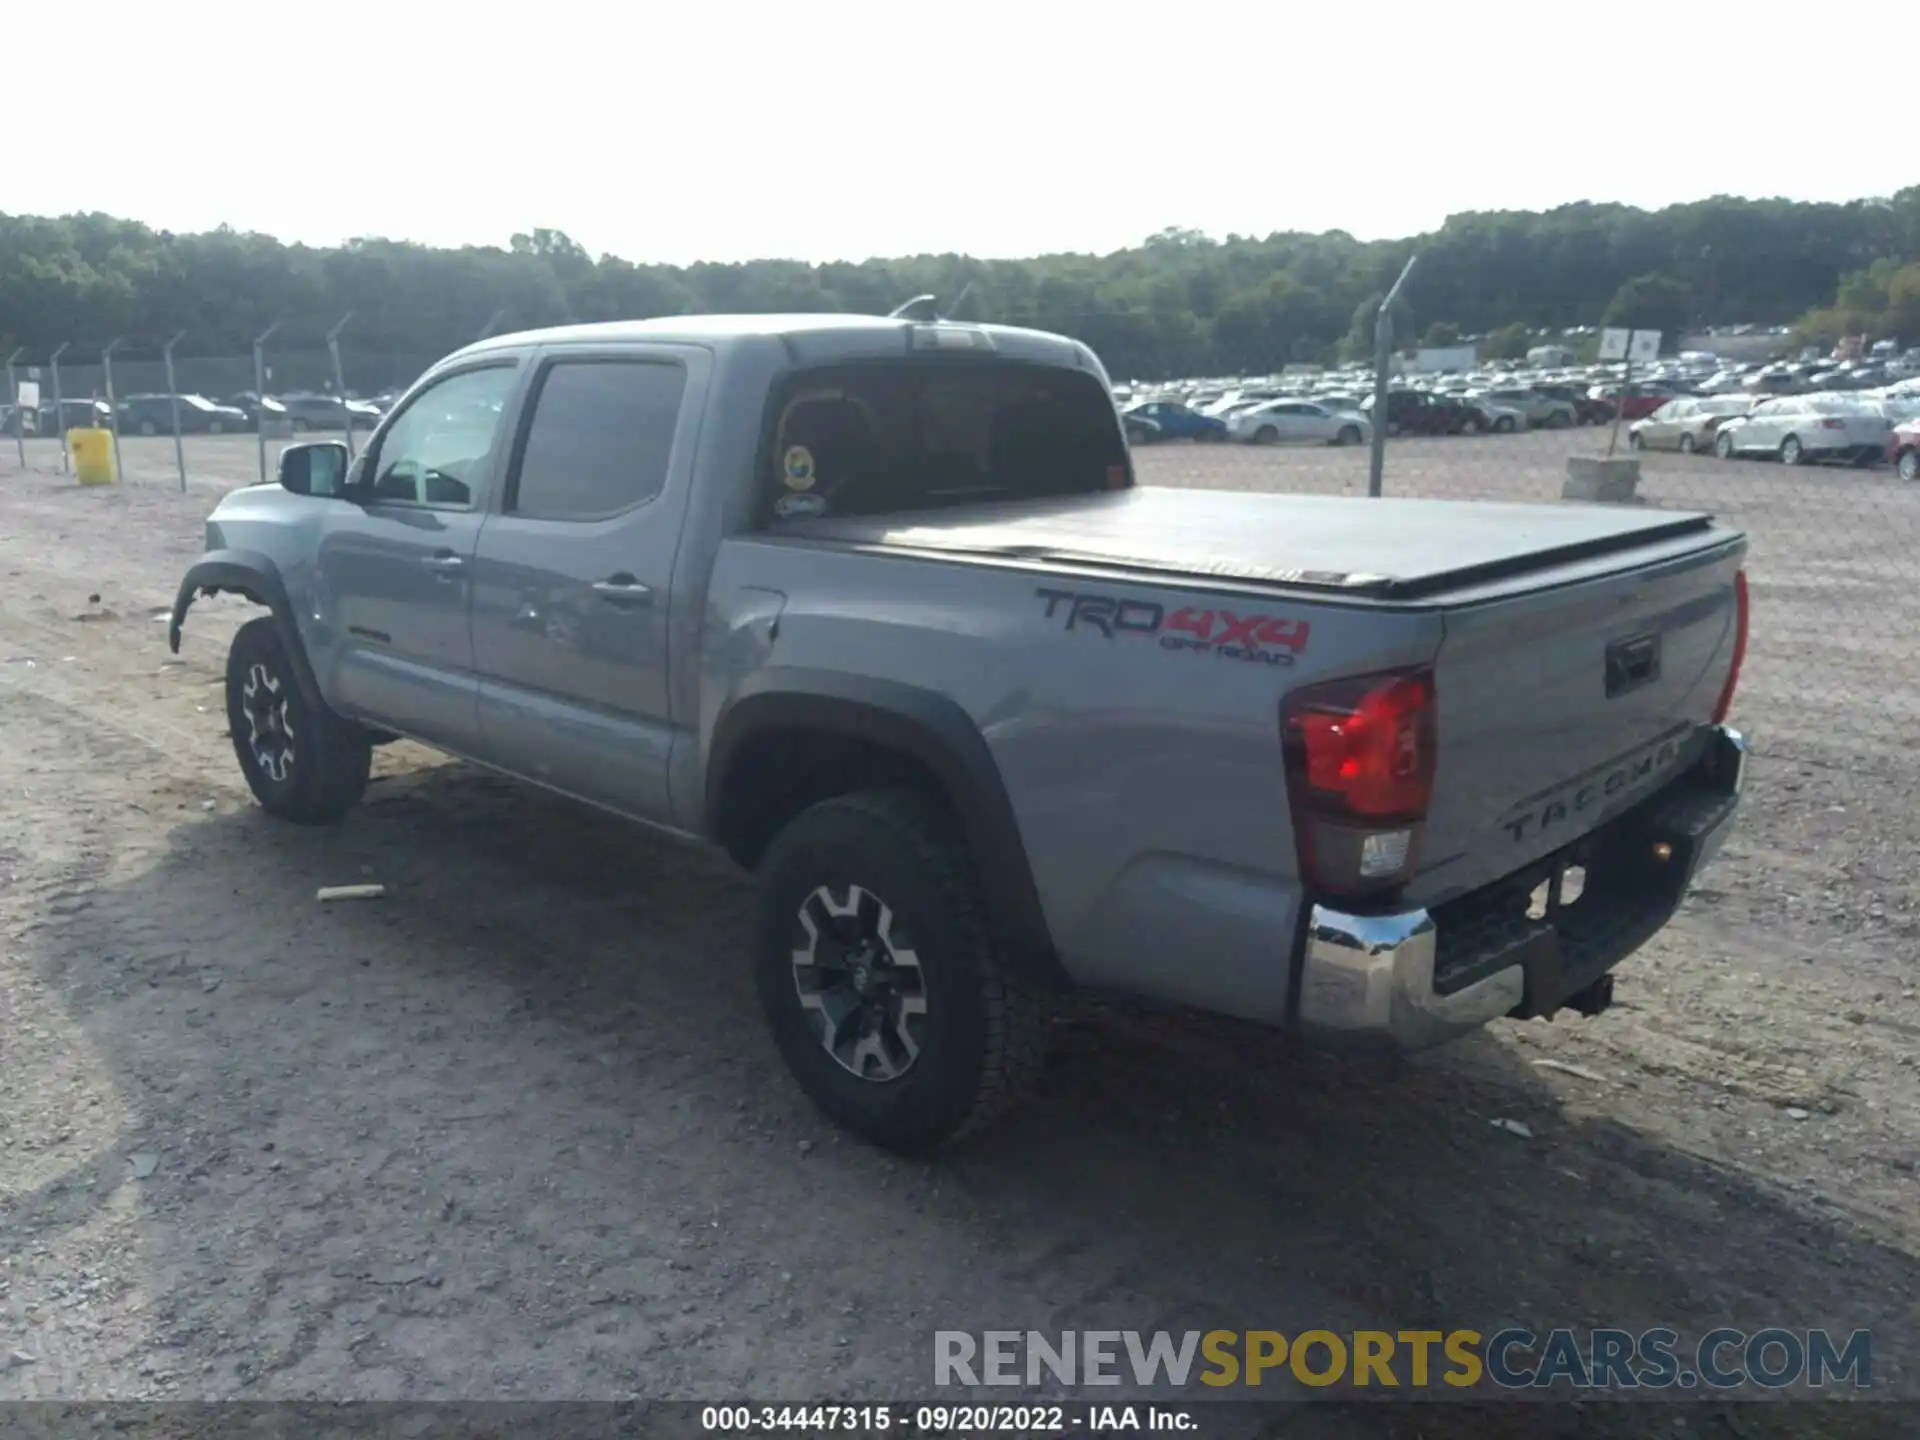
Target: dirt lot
516,1131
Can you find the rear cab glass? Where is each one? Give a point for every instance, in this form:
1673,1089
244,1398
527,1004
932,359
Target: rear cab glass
886,437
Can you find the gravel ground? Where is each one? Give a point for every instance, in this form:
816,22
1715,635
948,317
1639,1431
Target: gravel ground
516,1133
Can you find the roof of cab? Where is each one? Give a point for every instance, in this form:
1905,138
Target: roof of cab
865,333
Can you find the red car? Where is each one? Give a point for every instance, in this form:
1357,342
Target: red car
1903,449
1636,401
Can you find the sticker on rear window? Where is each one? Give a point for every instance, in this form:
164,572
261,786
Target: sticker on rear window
796,469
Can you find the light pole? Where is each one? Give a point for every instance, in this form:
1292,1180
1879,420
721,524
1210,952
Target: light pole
113,410
60,410
260,393
173,402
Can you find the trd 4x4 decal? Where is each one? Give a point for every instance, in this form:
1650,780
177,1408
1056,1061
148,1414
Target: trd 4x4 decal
1233,634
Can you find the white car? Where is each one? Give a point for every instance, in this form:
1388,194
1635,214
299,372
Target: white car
1800,428
1297,422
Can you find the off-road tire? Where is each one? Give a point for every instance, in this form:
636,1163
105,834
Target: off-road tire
329,757
983,1038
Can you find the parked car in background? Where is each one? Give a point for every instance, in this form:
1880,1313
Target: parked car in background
1903,449
1179,422
1635,401
1500,419
1140,430
154,415
75,415
1586,409
1687,424
307,411
254,406
1796,429
1299,422
1541,410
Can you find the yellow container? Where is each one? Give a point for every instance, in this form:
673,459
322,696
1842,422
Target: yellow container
92,456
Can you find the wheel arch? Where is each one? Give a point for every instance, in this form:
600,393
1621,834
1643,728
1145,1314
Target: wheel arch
250,574
792,737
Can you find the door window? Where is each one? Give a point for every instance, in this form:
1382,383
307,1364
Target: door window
599,440
437,449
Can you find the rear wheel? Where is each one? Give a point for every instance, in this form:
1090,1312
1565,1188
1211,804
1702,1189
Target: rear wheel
213,427
1687,445
1907,467
147,427
1634,442
1504,425
1559,420
882,975
1791,452
302,762
1266,435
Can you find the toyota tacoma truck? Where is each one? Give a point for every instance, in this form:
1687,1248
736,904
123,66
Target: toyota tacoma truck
876,608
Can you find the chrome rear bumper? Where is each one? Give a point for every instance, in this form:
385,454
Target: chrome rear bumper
1370,979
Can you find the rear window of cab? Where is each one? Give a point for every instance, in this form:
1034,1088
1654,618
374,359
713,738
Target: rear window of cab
892,437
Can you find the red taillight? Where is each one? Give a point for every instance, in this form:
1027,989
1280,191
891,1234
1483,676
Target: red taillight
1739,647
1360,758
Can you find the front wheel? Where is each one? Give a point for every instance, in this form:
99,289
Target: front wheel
1504,425
879,967
1687,445
302,762
1266,435
1634,440
1723,446
1349,435
147,427
1791,451
1908,465
299,427
1560,420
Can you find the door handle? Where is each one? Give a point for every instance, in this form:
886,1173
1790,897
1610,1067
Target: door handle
623,589
445,564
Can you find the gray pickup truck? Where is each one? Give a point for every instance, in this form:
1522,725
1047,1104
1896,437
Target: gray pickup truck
875,607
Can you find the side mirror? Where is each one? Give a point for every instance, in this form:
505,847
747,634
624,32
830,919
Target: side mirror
315,468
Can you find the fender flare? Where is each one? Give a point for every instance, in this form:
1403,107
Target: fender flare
248,573
931,728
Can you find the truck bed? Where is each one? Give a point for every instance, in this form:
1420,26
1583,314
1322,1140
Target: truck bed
1331,544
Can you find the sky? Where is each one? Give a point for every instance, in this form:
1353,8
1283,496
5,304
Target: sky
831,129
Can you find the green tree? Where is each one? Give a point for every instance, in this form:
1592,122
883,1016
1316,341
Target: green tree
1655,301
1441,334
1509,342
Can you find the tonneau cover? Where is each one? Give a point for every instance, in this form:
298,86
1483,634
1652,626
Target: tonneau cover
1392,549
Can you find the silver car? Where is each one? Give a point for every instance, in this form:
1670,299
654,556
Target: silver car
1799,428
1299,422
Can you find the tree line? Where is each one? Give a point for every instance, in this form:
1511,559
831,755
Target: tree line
1181,303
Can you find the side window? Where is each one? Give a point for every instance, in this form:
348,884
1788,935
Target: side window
600,438
436,451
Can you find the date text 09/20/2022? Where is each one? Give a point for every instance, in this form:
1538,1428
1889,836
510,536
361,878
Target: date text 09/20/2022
1040,1419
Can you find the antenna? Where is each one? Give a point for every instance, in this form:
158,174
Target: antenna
921,307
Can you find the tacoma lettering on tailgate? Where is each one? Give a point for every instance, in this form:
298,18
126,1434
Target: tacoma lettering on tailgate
1553,808
1231,634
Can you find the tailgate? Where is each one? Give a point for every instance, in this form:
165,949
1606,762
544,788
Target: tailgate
1565,702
